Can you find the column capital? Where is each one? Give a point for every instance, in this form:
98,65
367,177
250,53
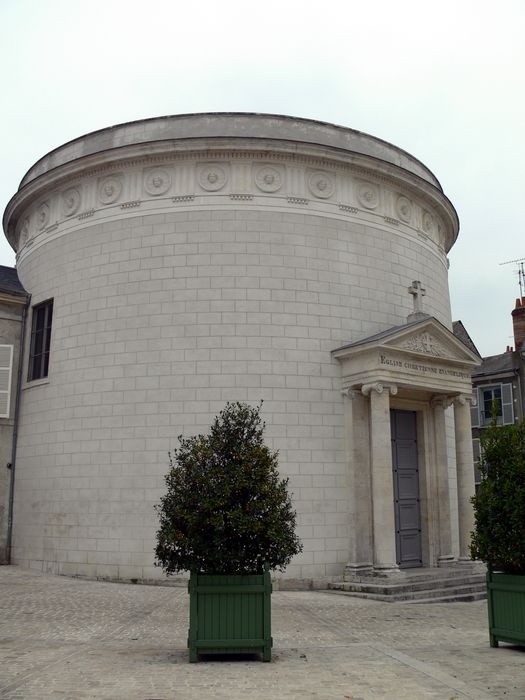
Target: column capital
442,400
379,388
464,400
350,393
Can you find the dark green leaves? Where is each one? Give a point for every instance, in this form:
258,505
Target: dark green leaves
226,511
499,506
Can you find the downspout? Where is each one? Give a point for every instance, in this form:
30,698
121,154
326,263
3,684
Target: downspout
15,432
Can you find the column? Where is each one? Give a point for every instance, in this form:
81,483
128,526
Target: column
439,404
358,466
465,472
384,526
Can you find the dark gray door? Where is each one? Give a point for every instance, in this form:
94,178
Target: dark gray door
406,488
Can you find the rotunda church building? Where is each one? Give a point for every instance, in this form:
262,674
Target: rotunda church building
178,263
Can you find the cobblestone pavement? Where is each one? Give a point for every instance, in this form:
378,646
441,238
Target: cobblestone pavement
69,639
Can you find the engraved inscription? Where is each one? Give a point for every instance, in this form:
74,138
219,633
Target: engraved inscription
420,368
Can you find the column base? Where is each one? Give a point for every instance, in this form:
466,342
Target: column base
446,560
354,571
473,564
386,570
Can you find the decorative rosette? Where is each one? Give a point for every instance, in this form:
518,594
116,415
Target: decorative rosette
212,177
321,184
368,195
109,189
70,201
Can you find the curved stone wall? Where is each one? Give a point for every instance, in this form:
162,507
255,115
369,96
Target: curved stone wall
190,271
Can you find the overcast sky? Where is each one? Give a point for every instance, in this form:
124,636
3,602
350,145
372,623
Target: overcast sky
445,81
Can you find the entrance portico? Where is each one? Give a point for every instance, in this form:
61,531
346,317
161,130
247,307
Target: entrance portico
410,491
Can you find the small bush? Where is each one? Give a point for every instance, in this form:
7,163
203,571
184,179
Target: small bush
499,506
226,511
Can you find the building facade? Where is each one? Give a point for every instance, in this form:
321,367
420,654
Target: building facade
178,263
13,305
499,386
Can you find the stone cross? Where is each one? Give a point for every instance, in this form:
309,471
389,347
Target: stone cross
418,293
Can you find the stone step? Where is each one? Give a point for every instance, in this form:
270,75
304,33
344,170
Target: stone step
450,592
459,598
410,585
425,574
474,588
448,595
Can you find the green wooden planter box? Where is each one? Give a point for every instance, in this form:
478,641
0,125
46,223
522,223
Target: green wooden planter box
230,615
506,606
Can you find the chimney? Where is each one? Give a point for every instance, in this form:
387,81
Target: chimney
518,321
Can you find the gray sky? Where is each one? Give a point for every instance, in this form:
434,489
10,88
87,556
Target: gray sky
445,81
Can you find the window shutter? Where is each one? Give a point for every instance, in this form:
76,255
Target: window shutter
476,453
6,366
474,409
507,404
476,450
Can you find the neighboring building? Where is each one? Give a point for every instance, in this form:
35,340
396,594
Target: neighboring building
13,304
178,263
460,332
499,385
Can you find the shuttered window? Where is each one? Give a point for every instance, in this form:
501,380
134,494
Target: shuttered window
6,371
40,340
496,401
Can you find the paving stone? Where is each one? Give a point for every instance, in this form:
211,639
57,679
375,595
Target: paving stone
71,639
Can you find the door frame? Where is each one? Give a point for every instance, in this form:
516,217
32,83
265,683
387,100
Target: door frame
415,469
427,478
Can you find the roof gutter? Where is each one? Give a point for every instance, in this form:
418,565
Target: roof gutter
496,374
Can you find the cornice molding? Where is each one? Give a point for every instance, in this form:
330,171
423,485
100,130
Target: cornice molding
430,214
16,299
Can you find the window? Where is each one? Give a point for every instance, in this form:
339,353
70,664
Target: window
490,398
491,403
40,340
6,366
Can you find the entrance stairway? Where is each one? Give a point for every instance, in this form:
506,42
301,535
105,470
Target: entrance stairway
462,583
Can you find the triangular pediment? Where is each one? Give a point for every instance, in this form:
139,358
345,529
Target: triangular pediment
427,339
419,356
432,339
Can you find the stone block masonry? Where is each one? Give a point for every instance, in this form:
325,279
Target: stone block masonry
192,297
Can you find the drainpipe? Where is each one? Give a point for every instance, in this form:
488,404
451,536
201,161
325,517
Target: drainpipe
15,432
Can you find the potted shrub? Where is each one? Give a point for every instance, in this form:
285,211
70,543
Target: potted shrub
227,518
499,536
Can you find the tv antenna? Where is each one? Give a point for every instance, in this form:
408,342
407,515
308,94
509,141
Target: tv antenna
521,273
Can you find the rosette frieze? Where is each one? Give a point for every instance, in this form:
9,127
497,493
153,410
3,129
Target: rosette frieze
238,178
